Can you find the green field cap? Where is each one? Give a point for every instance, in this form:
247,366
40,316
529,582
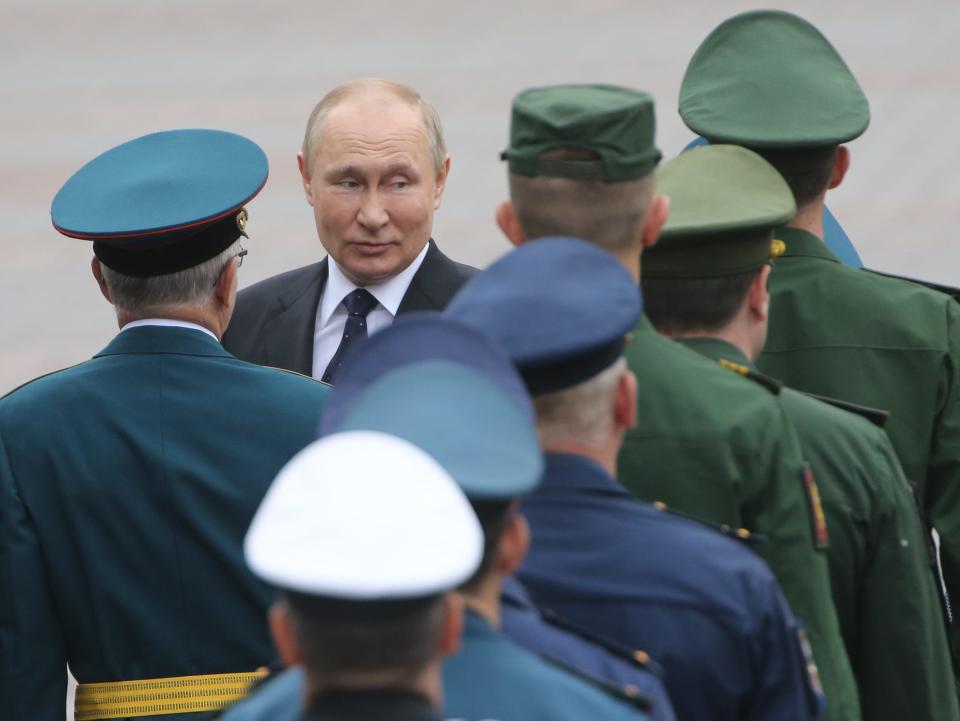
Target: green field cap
613,123
769,79
725,202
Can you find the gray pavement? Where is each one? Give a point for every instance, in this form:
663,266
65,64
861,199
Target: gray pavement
80,77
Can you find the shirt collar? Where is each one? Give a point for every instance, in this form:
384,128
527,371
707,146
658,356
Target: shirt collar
800,243
167,323
389,293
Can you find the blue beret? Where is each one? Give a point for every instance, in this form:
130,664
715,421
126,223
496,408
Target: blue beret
413,338
163,202
561,308
465,421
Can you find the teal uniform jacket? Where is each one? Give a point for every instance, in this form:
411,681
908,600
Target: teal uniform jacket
718,446
884,591
126,487
491,677
880,342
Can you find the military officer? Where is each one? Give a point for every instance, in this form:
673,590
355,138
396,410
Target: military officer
580,162
445,387
127,481
349,535
705,285
772,82
703,605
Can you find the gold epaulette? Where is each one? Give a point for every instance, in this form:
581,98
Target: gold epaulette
740,534
771,384
161,696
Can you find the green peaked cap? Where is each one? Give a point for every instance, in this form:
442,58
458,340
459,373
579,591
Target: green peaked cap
769,79
615,123
725,202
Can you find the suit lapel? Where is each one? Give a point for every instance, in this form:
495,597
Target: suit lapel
429,288
289,338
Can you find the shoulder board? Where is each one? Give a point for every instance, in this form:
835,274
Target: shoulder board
877,416
298,373
628,694
743,535
939,287
636,657
771,384
34,380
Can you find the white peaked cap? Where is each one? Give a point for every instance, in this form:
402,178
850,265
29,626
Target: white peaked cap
364,516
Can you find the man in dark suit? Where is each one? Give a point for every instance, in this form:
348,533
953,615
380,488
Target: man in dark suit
127,481
374,166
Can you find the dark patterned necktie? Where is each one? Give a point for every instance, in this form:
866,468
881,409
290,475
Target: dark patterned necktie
358,304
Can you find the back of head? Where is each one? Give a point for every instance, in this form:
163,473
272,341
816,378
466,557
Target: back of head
580,162
377,90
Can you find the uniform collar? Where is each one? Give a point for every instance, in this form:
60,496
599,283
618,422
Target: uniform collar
801,244
568,470
151,339
389,293
168,323
384,704
717,349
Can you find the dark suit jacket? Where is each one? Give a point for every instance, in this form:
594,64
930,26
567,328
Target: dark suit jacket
274,320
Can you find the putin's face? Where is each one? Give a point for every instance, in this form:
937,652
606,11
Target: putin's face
373,186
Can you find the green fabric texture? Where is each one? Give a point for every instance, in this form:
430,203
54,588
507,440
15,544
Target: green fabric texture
126,487
719,446
725,202
882,342
615,123
882,584
770,79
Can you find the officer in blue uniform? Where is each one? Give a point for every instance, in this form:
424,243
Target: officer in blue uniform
446,388
703,605
127,481
348,535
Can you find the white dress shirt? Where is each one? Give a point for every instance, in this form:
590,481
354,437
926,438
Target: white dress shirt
332,314
167,323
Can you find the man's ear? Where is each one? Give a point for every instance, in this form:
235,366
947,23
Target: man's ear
625,401
758,297
656,217
225,286
97,270
441,183
283,635
509,223
513,544
452,628
304,177
841,165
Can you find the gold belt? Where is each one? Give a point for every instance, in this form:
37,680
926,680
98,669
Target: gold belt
159,696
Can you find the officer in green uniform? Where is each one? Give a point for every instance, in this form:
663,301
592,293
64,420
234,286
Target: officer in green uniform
770,81
707,442
705,286
127,481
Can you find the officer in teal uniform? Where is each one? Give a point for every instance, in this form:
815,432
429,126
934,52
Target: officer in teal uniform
580,161
127,481
704,606
445,387
705,286
348,534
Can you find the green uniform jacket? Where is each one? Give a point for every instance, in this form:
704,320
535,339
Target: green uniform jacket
126,487
883,588
719,446
880,342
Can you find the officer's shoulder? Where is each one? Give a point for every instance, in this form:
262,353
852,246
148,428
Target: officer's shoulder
764,381
844,410
741,535
276,698
40,384
631,697
940,288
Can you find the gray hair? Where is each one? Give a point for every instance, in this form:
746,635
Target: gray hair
582,413
143,297
376,86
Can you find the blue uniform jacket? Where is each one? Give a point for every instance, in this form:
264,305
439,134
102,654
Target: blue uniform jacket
523,623
491,678
704,606
127,483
